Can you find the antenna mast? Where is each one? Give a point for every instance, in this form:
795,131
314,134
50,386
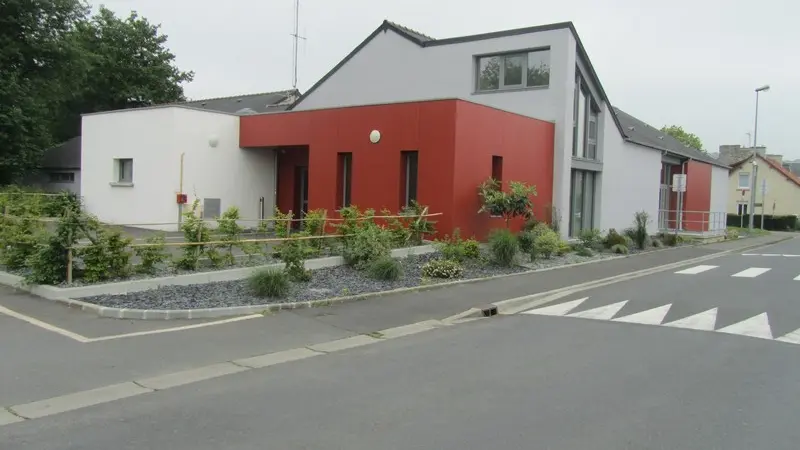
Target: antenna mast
297,37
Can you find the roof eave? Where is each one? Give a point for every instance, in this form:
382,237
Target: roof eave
673,153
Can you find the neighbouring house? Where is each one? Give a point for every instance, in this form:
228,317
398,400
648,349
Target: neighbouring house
405,116
135,161
60,168
782,194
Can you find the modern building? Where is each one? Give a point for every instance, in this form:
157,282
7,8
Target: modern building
405,114
60,168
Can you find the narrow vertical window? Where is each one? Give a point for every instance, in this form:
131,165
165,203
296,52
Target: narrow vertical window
409,192
497,168
344,179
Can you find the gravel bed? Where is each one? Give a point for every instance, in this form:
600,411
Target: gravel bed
564,260
325,283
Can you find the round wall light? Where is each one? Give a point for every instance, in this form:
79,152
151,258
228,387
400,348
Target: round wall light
213,141
375,136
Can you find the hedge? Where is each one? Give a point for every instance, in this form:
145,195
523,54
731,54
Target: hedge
775,223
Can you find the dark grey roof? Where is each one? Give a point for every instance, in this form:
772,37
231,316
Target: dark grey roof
424,40
641,133
65,156
260,103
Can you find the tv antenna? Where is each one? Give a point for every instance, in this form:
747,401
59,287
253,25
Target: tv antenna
297,37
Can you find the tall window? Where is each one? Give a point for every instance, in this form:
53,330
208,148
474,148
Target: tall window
582,198
514,71
744,180
585,113
497,168
124,169
409,172
742,209
344,179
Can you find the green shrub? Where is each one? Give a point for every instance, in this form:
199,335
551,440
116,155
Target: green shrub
283,223
563,247
584,251
369,243
19,238
613,238
591,238
270,283
455,248
152,254
293,254
628,241
230,233
386,269
639,233
107,257
620,249
195,231
672,239
503,245
540,229
525,241
657,243
731,233
48,264
442,268
419,225
547,244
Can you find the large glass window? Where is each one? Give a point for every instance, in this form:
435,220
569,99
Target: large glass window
585,118
516,70
582,198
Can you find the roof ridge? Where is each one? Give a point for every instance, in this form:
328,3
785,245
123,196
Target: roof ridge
410,30
285,91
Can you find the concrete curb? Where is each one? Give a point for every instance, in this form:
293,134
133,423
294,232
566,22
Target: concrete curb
210,313
152,385
515,305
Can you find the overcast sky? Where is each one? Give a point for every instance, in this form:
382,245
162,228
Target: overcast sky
693,63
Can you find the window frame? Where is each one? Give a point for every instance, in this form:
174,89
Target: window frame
739,180
587,205
590,107
120,169
409,188
345,179
524,54
61,177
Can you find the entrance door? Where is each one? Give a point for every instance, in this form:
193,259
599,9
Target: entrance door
301,193
664,194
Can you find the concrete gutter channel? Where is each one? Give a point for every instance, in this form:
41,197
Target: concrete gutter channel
83,399
61,295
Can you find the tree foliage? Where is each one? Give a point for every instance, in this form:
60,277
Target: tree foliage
687,139
58,62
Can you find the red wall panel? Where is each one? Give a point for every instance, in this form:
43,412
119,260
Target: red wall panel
697,199
526,146
455,141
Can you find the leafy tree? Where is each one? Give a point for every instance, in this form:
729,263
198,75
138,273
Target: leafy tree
39,66
688,139
129,67
514,203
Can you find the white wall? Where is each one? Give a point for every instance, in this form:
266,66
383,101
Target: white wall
719,189
631,182
155,138
236,176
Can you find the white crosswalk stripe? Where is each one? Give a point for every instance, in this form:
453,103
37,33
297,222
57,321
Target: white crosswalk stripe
751,272
695,270
757,326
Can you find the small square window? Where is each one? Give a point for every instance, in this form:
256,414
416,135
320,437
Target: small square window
124,169
212,208
744,180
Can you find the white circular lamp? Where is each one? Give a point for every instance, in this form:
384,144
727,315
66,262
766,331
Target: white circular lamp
375,136
213,141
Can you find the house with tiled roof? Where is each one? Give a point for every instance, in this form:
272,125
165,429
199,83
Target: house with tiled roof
776,187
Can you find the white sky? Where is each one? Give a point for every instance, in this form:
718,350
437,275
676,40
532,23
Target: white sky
693,63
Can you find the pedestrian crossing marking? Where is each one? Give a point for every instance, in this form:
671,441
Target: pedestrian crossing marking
695,270
756,326
791,338
705,321
557,310
797,278
601,313
751,272
650,317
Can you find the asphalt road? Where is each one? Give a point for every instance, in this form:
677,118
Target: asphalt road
517,382
508,382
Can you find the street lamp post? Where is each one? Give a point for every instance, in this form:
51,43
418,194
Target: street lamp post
753,181
755,164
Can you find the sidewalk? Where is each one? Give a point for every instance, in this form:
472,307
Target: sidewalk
38,364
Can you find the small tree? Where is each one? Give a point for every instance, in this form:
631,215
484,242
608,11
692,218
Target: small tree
514,203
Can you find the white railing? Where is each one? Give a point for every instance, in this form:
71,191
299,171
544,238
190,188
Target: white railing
701,222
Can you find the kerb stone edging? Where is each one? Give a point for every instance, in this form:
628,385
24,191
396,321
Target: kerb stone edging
57,295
